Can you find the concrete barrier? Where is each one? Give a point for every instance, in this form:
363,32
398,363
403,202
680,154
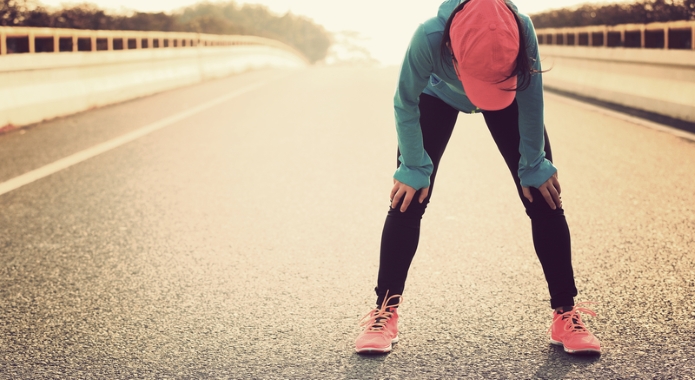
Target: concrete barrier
658,81
649,67
40,86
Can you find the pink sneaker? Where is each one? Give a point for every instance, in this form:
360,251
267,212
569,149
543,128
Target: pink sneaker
569,331
380,329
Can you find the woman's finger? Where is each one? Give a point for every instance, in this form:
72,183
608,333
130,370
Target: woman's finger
409,193
555,193
556,196
548,197
396,198
527,194
423,194
394,190
556,183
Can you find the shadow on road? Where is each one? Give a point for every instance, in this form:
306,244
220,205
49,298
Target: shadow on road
558,363
365,366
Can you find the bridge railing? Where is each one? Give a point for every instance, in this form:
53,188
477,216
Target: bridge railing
657,35
648,67
50,72
30,40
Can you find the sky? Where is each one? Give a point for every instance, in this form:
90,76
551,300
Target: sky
386,25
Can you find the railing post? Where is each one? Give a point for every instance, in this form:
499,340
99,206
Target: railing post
622,37
93,42
3,42
138,43
692,37
75,40
109,43
605,36
643,36
590,37
666,37
56,43
32,42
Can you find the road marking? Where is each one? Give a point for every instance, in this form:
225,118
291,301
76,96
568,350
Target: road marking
622,116
98,149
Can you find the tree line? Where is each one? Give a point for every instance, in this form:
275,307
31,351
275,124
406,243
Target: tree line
639,12
215,18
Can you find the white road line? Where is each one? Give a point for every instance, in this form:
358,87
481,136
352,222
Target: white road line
622,116
88,153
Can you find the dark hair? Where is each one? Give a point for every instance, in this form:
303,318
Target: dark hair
523,67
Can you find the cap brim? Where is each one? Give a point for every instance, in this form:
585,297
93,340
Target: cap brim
489,96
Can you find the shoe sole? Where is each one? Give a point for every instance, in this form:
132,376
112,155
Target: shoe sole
571,351
372,350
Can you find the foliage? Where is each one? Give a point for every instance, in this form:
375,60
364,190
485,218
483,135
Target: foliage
639,12
214,18
14,12
348,50
229,18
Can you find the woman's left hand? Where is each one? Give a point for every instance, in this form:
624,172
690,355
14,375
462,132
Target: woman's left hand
550,191
401,190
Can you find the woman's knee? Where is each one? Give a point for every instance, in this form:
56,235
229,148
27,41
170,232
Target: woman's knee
539,208
414,211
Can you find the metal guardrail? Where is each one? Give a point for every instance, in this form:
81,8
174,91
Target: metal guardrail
658,35
30,40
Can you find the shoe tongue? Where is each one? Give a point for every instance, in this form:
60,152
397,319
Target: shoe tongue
381,319
575,321
376,324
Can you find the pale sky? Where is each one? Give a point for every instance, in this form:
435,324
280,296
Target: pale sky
387,25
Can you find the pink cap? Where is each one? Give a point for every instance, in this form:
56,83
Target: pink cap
485,42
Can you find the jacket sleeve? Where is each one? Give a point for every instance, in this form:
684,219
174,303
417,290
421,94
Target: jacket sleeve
534,168
416,166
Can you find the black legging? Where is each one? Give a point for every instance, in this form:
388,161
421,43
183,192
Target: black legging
551,236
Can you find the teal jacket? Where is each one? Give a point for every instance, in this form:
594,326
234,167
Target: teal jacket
426,70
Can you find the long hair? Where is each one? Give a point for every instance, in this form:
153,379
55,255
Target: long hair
522,69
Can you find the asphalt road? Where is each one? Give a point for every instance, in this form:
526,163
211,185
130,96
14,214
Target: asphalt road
242,242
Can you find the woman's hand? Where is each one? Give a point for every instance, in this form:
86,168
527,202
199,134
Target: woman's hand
550,191
401,190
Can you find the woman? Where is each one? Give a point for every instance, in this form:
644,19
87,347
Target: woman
476,56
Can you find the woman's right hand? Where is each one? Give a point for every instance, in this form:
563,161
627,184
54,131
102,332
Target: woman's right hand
401,190
550,190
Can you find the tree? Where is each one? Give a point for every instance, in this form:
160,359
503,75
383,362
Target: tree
14,12
81,16
216,18
639,12
229,18
147,21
